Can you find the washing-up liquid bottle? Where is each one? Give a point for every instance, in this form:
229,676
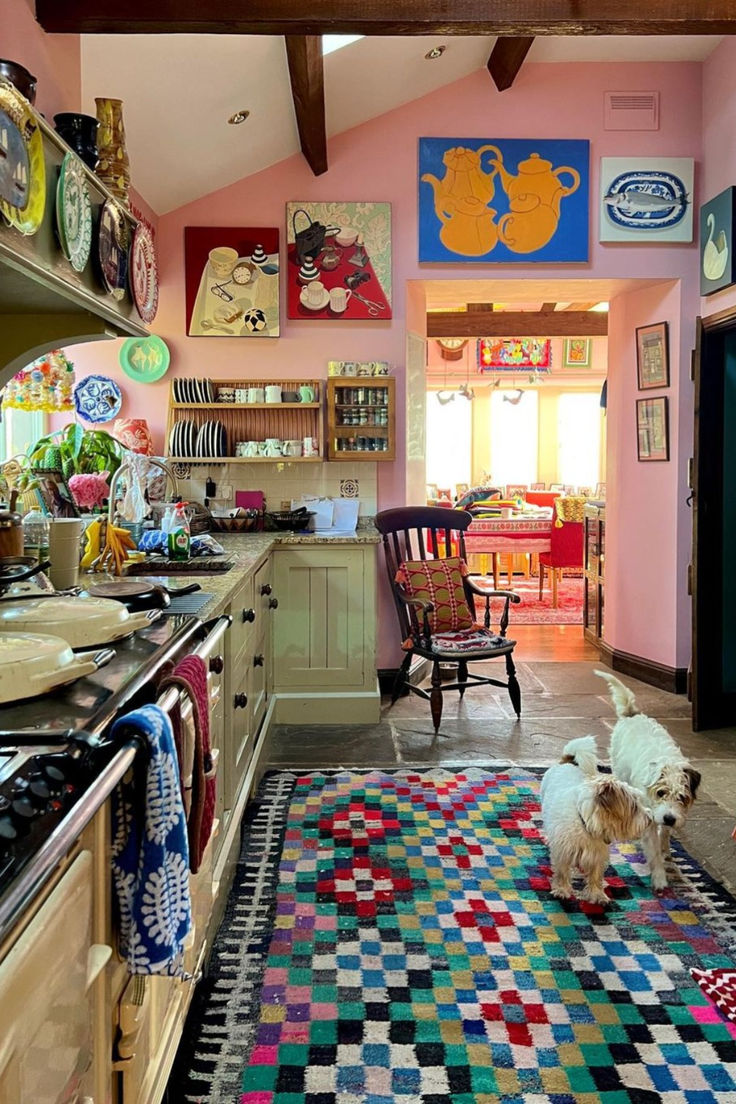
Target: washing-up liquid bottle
179,538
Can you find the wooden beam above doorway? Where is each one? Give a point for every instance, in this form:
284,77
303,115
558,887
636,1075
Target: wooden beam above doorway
507,58
523,18
306,72
517,324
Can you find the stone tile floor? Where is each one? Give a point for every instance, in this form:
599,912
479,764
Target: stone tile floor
560,699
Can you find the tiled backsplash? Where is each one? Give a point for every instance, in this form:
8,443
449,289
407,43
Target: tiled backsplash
283,482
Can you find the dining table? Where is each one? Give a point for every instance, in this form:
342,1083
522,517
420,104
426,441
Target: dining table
514,535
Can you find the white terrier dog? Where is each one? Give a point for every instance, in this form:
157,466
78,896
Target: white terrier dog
583,812
644,754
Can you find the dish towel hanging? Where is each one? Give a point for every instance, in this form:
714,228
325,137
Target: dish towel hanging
190,675
150,852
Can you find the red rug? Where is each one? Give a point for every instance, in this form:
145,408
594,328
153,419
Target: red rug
533,612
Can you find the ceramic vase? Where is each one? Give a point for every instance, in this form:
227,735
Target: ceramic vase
113,167
80,133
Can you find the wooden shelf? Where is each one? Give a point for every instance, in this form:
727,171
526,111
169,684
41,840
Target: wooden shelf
244,459
246,406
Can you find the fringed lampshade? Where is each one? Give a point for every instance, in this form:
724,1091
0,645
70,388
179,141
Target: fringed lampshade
46,384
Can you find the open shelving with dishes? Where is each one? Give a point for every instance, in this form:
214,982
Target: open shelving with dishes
361,418
246,426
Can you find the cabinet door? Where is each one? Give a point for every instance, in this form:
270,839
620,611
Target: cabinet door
319,632
238,725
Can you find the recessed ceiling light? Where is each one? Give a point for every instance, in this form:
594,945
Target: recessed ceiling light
435,52
239,117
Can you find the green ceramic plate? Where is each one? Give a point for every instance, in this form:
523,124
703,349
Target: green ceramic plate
74,212
145,359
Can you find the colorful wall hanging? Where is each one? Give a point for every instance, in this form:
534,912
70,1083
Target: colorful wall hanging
232,281
338,260
646,199
47,384
716,242
577,352
511,354
503,199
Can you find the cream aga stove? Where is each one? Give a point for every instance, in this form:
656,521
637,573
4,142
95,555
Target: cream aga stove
58,766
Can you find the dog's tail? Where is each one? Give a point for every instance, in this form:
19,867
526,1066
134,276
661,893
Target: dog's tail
623,699
583,753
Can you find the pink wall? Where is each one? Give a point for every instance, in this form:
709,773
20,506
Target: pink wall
378,161
719,149
53,59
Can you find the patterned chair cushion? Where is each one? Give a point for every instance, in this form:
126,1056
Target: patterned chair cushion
441,583
469,642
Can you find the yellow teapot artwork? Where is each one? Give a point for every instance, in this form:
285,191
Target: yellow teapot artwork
506,199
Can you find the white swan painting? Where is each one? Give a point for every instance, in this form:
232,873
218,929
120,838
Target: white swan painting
716,242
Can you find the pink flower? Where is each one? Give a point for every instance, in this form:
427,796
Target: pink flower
90,489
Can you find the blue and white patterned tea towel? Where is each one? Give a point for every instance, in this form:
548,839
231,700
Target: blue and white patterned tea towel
150,853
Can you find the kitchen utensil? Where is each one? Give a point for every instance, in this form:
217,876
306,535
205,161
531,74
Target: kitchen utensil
139,595
11,533
113,242
20,77
144,273
82,622
145,359
35,663
74,213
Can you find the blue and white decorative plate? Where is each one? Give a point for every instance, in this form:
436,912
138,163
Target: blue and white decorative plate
98,399
646,200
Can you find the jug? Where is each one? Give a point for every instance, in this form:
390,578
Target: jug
468,227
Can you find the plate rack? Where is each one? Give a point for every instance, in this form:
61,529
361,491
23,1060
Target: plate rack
286,421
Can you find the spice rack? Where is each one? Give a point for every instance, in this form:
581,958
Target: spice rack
245,421
361,418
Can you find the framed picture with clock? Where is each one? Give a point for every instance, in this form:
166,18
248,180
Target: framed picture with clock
452,348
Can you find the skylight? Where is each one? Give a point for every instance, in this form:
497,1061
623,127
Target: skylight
330,43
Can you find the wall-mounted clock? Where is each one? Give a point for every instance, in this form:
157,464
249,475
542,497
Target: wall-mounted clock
451,348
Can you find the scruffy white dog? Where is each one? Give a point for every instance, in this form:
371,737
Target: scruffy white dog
644,754
583,812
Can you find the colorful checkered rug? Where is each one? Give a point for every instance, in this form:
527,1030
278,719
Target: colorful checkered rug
391,937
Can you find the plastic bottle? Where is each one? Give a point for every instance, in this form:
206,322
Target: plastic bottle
179,537
36,535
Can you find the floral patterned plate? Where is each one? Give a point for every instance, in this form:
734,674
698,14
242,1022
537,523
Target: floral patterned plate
112,247
22,168
74,212
98,399
144,273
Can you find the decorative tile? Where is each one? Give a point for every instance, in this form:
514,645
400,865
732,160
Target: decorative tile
349,488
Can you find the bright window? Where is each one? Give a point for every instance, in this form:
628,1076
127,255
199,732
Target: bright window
449,440
18,430
514,437
579,439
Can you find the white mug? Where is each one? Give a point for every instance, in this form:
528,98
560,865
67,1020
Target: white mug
241,394
291,448
339,297
314,292
273,447
250,448
255,395
273,394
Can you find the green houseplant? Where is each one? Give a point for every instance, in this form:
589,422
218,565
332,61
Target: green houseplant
73,450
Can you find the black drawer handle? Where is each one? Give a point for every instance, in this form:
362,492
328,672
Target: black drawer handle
273,603
266,588
249,615
257,660
240,700
217,665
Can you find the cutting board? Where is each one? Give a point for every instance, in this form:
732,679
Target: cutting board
250,500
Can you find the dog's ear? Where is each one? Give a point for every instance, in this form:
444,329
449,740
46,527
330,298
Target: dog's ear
694,778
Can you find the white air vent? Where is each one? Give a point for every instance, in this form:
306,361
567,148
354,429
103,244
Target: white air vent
631,111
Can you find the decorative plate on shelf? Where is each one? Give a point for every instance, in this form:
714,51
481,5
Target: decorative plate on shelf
113,241
144,273
74,212
97,399
22,168
145,359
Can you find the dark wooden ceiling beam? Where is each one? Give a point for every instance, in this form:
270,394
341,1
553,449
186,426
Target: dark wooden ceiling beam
306,72
517,324
523,18
547,308
473,308
507,58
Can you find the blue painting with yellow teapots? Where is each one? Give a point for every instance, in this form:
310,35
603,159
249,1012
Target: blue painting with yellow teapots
503,200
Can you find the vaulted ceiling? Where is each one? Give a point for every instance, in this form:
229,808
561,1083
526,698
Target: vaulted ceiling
194,63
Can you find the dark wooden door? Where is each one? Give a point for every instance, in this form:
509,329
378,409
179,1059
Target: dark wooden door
713,500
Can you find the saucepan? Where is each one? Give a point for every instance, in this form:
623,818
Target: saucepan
36,663
138,594
82,622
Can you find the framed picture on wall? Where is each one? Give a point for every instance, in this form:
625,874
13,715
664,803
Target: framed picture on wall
577,352
652,429
231,279
652,356
717,219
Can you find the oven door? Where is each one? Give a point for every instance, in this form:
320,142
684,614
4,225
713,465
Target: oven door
49,999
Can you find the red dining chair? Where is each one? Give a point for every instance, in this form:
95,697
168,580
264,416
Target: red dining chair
566,550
